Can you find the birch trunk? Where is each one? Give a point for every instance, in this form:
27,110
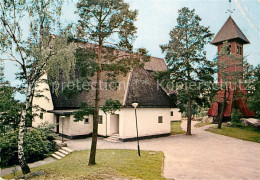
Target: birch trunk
21,157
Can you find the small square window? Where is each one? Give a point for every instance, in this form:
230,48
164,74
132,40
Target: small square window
229,49
160,119
86,120
100,119
41,115
171,113
239,50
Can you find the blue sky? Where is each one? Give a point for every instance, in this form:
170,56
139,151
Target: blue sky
157,17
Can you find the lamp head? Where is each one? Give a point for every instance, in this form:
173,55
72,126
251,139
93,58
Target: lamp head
135,104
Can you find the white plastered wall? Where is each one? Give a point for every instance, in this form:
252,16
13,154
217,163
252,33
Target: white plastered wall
176,114
72,128
147,122
44,102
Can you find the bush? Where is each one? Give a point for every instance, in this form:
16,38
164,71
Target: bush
37,145
236,117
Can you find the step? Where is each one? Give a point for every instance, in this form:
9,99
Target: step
55,156
114,138
67,149
60,154
63,152
115,134
110,140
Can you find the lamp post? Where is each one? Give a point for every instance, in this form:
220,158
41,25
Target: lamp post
135,104
62,117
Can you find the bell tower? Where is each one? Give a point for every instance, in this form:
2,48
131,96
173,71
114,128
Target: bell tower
235,39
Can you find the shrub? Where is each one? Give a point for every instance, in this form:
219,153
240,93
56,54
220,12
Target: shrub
37,145
236,117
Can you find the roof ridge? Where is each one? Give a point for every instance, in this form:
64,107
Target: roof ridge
235,26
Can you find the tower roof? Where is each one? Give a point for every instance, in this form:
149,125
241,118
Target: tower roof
230,31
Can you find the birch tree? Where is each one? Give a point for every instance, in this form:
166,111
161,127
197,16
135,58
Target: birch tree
28,38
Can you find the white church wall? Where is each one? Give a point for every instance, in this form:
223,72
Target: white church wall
148,124
44,102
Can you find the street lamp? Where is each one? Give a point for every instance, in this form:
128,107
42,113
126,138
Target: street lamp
62,117
135,104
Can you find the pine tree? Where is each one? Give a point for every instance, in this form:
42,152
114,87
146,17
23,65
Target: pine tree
186,59
110,25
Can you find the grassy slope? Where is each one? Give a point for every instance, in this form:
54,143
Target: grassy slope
111,164
176,128
244,133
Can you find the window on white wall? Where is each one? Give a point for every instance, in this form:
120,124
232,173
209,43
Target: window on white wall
171,113
100,119
41,115
160,119
86,120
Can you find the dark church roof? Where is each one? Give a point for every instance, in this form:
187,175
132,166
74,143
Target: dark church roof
145,90
230,31
137,85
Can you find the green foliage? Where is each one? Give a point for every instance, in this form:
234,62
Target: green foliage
85,68
236,117
253,89
10,109
85,110
111,106
190,73
104,18
37,145
110,23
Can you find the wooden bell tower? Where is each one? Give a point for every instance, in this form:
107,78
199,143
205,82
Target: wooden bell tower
236,39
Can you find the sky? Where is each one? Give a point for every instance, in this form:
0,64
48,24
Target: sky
156,18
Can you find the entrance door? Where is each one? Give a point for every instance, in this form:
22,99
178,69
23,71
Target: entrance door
57,124
114,124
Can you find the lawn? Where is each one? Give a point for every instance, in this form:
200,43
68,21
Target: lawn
176,128
244,133
201,124
111,164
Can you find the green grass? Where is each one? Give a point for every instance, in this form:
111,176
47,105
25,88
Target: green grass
244,133
176,128
201,124
111,164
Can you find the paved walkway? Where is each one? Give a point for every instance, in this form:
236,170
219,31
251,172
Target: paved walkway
31,165
203,155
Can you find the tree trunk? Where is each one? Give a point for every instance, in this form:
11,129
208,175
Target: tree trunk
92,158
222,109
25,168
189,117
